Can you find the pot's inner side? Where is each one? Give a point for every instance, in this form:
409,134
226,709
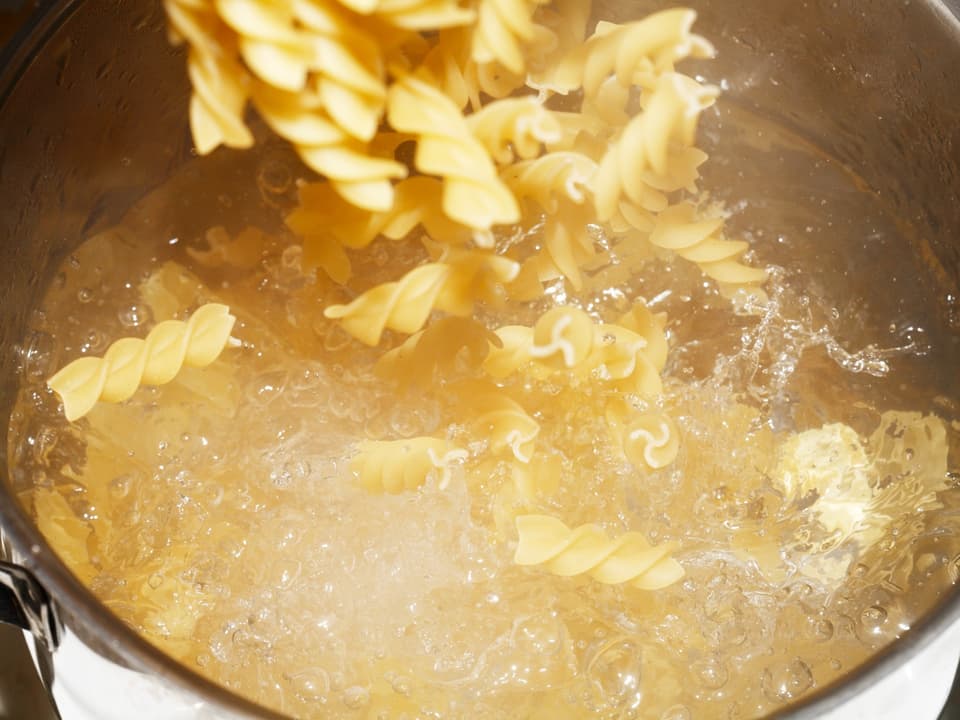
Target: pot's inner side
813,501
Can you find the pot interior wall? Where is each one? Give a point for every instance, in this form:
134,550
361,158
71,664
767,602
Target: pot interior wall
98,117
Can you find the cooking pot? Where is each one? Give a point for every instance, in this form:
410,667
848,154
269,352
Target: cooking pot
93,108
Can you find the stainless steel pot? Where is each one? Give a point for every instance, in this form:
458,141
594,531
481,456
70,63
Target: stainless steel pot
92,116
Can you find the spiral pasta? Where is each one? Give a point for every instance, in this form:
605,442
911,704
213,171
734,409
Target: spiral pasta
437,348
473,194
511,127
634,53
502,28
560,340
557,184
632,169
395,466
499,419
405,305
701,242
132,362
650,441
218,79
628,559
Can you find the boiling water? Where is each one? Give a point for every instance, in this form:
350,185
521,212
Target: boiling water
218,515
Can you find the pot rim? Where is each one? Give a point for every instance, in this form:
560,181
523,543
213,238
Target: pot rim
87,617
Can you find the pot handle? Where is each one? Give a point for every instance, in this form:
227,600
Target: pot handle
26,604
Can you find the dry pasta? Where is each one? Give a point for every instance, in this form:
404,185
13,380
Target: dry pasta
701,242
473,194
514,126
631,167
131,362
405,305
634,53
628,559
395,466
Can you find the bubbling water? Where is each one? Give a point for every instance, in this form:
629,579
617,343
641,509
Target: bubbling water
219,517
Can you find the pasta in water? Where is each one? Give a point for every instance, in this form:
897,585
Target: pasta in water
132,362
628,559
393,466
461,467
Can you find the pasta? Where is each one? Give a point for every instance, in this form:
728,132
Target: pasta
678,231
629,559
609,353
634,53
405,305
499,419
395,466
132,362
511,127
650,441
472,193
500,30
437,348
243,251
634,167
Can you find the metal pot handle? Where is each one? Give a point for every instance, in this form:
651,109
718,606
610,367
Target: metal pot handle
26,604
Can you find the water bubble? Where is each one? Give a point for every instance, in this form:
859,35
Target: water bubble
356,697
614,675
311,684
872,619
155,581
401,684
784,681
822,630
134,315
37,355
712,673
84,295
120,486
274,177
677,712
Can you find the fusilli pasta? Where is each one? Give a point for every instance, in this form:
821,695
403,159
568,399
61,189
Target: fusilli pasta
394,466
405,305
628,559
472,193
701,242
650,441
132,362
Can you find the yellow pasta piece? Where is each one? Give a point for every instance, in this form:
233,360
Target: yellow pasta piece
437,348
243,251
701,242
649,326
394,466
634,53
628,559
642,152
473,194
650,441
502,420
405,305
553,180
132,362
612,354
501,29
511,127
